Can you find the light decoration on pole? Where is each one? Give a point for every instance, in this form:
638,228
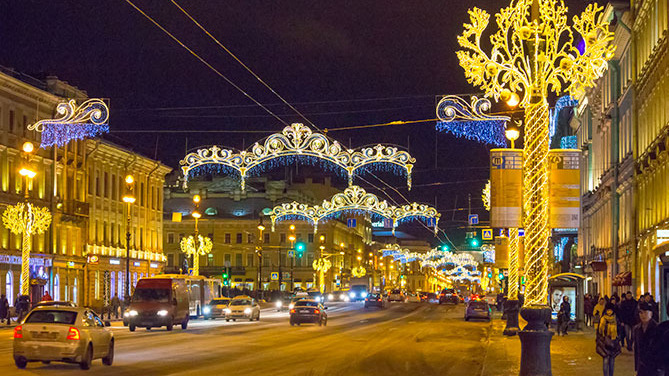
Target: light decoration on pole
468,120
298,143
201,248
27,219
485,196
354,200
89,119
514,250
359,271
533,51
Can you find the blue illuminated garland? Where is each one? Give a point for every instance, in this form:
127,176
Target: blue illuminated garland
60,134
486,131
468,120
569,142
562,102
89,119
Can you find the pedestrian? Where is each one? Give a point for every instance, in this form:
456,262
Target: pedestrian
587,308
46,297
598,311
628,318
648,298
647,349
608,346
4,309
115,305
564,316
22,307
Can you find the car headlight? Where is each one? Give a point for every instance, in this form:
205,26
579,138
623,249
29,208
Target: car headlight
347,299
291,306
352,295
206,310
342,296
330,297
318,298
227,310
162,312
132,313
247,311
363,295
279,304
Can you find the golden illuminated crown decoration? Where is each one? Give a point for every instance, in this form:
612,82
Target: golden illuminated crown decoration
89,119
298,142
354,200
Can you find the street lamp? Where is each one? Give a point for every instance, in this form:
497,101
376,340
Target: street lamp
511,306
292,239
129,199
261,228
197,245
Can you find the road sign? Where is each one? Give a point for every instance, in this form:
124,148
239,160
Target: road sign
486,234
521,232
473,219
274,276
351,222
431,222
291,253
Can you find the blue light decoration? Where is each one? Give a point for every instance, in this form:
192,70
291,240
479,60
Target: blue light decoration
569,142
89,119
562,102
468,120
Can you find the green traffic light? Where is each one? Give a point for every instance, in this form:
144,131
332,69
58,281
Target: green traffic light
474,242
444,248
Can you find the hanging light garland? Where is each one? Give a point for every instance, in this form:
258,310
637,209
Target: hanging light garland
89,119
354,200
468,120
298,143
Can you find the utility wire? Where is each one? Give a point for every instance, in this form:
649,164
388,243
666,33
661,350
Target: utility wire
242,63
203,61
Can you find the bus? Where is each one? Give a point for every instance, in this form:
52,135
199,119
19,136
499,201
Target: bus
201,290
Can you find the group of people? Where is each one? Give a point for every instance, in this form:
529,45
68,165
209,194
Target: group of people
633,324
21,307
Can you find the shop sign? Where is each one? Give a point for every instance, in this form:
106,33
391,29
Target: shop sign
136,263
94,259
16,260
114,262
662,236
154,265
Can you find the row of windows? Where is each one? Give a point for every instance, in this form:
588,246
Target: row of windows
653,25
16,122
110,186
239,238
115,235
653,197
270,259
116,283
653,114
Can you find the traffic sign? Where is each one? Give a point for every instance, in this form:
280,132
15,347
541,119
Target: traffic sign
274,276
473,219
521,232
351,222
431,222
486,234
291,253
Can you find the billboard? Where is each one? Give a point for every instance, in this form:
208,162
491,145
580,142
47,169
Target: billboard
563,188
556,297
506,184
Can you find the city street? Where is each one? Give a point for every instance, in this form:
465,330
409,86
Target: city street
407,338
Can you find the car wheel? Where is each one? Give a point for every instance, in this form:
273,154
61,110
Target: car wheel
132,328
466,318
109,359
87,359
292,323
148,328
234,319
20,362
228,320
184,325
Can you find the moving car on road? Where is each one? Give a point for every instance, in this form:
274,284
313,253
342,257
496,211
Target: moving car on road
478,309
413,298
308,311
357,293
63,334
283,303
374,300
215,308
396,296
158,302
449,296
242,307
52,303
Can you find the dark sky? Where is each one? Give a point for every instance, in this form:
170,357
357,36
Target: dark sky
341,63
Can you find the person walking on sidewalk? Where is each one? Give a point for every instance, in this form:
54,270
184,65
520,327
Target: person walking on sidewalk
4,309
647,360
607,344
564,316
115,305
598,311
628,317
587,308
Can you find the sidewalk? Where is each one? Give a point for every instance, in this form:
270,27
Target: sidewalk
571,355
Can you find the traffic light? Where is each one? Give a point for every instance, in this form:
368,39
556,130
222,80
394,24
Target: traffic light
473,242
445,248
300,247
490,275
226,277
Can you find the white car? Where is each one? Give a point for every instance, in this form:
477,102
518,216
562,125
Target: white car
413,298
63,334
242,307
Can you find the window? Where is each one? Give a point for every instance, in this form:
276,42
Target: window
104,233
170,259
249,259
311,238
11,120
106,185
97,183
121,278
114,187
170,238
238,259
266,239
56,288
112,284
97,284
9,288
228,259
265,261
211,236
210,259
249,238
113,235
141,194
227,238
282,238
239,238
75,291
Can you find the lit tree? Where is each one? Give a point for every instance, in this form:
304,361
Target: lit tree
26,219
190,247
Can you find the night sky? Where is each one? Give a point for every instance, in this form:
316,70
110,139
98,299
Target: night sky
341,63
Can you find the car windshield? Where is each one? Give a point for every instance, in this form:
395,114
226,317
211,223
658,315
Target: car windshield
306,303
375,296
478,304
240,302
296,299
219,301
395,292
52,317
151,295
448,291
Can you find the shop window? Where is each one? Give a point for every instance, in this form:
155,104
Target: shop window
75,287
56,288
9,287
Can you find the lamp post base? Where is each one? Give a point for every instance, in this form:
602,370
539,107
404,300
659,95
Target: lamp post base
511,311
535,341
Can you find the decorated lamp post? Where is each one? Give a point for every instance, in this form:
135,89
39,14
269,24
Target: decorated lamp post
197,245
534,52
26,219
129,199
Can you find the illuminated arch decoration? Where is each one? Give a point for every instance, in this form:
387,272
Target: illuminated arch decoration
468,120
298,142
354,200
89,119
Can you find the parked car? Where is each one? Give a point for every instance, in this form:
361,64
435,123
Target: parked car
158,302
63,334
308,311
396,296
478,309
374,300
215,308
242,307
449,296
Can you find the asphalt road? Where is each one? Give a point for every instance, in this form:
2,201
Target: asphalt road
403,339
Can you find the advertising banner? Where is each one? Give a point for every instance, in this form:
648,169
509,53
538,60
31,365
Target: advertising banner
506,184
563,188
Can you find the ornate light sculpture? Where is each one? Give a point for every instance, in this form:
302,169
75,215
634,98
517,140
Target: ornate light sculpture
359,271
354,199
196,249
485,196
534,52
468,120
26,219
298,142
88,119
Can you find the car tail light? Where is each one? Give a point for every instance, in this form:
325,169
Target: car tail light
442,295
292,311
317,311
73,334
18,332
